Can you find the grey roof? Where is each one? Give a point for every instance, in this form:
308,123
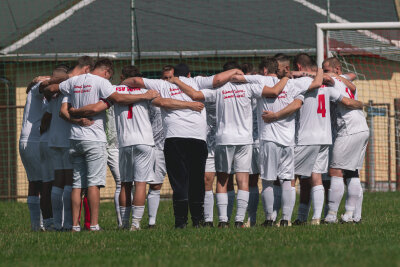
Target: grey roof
190,25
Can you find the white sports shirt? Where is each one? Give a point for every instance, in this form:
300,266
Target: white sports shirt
184,123
314,117
133,121
84,90
60,129
32,117
234,112
349,121
282,131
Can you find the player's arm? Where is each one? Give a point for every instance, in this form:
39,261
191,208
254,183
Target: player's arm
193,94
89,110
52,81
350,76
224,77
237,78
270,116
276,89
45,122
351,103
134,82
40,79
64,114
174,104
347,82
127,99
324,79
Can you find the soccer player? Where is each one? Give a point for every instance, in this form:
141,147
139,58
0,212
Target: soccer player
347,153
233,138
185,148
167,72
283,65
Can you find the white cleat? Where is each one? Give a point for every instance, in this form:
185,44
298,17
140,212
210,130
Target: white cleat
346,218
315,222
134,228
331,218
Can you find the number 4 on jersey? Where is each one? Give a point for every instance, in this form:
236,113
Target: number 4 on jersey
321,106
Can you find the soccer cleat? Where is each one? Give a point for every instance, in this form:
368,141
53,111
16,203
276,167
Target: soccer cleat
284,223
315,222
246,224
357,222
208,224
181,226
268,223
298,222
239,225
134,228
223,225
151,226
346,219
330,218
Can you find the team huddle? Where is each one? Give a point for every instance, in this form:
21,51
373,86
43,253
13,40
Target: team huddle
272,123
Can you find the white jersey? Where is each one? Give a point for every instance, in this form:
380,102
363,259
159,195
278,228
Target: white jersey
133,121
84,90
184,123
111,129
314,117
234,112
44,137
281,131
157,127
59,128
349,121
32,117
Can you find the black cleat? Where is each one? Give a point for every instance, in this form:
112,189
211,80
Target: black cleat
358,222
268,223
181,226
208,224
284,223
152,226
239,225
298,222
223,225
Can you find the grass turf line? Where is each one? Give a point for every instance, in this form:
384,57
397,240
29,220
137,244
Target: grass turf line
375,242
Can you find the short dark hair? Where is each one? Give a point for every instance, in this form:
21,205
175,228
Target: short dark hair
104,62
167,68
333,62
247,68
303,60
85,61
270,63
282,57
230,65
181,69
131,71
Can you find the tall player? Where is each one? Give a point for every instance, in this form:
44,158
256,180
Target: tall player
347,154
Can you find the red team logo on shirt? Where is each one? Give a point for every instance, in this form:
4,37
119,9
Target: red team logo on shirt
233,93
82,89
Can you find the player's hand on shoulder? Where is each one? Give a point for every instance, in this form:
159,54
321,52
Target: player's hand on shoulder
196,106
151,94
269,116
173,79
239,72
85,122
327,80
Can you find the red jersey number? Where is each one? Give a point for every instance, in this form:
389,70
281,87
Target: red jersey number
321,106
130,111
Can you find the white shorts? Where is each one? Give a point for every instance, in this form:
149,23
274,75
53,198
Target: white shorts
113,164
31,160
46,162
235,158
276,161
349,151
136,163
210,163
255,162
160,169
311,159
60,158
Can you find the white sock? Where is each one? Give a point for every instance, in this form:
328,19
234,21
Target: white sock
125,215
116,204
353,195
302,212
137,214
336,192
268,199
209,206
358,209
242,202
286,200
67,207
317,196
222,205
34,210
293,194
231,201
277,190
57,206
254,197
153,201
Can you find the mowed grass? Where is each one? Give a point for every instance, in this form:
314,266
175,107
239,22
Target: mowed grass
375,242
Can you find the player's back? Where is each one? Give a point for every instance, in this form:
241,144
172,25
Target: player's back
60,129
33,113
133,121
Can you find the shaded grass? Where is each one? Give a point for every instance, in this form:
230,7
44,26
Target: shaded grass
375,242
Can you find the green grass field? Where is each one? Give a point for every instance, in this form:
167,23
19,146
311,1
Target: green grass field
375,242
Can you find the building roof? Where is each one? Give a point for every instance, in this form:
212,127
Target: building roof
190,25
